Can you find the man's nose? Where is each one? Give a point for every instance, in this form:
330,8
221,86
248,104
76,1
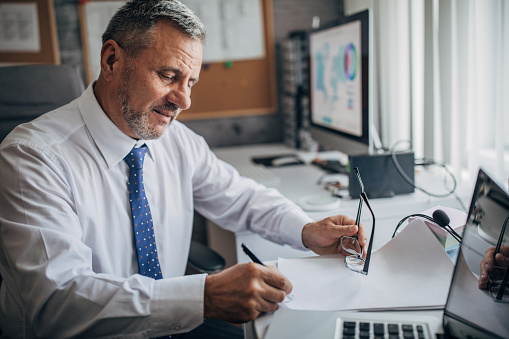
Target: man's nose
180,95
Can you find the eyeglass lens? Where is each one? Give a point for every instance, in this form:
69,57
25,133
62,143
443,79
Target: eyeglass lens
351,245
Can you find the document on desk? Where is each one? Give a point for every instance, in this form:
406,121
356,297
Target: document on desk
412,271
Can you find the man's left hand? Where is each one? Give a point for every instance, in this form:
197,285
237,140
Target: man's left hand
323,237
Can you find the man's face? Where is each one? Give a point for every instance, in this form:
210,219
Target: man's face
155,86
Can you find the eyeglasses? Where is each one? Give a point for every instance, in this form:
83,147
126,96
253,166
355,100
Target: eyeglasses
356,261
499,276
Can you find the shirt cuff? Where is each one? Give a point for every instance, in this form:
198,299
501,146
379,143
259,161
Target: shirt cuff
177,304
291,228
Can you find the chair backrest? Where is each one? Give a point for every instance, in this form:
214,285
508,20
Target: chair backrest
29,91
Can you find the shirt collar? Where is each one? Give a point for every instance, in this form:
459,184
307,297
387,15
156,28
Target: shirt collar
113,144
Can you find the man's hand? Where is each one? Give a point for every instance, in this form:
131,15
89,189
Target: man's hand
502,260
240,293
323,237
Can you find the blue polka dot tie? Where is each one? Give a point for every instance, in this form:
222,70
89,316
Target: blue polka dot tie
148,262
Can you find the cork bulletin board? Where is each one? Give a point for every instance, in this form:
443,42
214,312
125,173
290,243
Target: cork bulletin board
245,87
28,32
226,89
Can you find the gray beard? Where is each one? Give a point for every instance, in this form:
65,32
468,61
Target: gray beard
138,122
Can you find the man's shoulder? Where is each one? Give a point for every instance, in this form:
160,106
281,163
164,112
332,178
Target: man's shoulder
49,129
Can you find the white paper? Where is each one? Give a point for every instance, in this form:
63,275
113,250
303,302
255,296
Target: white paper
234,28
19,28
410,271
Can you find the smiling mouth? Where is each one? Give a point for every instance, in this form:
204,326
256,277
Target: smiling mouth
169,115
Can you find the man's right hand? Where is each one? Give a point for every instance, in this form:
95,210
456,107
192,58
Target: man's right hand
240,293
501,259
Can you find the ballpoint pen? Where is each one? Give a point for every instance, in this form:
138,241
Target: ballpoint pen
251,255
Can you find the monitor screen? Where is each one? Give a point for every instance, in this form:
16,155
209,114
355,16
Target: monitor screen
339,89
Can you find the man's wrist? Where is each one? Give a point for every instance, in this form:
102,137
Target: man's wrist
303,234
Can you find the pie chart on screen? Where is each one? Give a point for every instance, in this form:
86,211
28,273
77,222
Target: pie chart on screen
350,61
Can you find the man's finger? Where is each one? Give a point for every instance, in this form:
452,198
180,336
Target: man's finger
501,260
274,295
275,279
268,306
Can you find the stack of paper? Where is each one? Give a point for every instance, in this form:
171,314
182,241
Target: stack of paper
412,271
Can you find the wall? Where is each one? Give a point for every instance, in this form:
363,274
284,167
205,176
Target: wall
289,15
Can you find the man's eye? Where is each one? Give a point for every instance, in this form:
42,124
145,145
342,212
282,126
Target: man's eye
167,77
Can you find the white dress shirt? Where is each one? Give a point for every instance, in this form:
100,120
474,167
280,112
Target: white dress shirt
67,258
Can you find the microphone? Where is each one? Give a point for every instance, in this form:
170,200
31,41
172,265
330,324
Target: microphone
442,219
439,217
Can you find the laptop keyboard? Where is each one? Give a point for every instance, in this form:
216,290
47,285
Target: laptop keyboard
347,329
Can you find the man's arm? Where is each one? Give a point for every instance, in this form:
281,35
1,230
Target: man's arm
48,270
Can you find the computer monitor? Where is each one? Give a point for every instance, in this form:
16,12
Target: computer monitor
339,86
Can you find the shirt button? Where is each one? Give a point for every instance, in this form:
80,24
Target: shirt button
177,327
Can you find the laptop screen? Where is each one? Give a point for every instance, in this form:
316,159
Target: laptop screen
482,312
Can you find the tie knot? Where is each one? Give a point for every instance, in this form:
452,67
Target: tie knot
135,158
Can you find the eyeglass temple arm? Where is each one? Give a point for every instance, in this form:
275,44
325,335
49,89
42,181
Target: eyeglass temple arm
359,212
358,175
370,245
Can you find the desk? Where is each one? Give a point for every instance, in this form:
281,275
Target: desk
298,181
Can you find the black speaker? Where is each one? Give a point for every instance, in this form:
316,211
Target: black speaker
380,176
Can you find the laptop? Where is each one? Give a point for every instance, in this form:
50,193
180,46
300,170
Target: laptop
469,311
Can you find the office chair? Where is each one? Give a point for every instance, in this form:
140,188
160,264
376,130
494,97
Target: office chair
29,91
202,259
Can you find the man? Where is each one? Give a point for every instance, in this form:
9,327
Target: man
68,260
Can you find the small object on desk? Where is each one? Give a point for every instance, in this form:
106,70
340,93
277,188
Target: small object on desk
330,166
278,160
286,161
336,189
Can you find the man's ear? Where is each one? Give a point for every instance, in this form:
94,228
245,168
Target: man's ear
111,54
